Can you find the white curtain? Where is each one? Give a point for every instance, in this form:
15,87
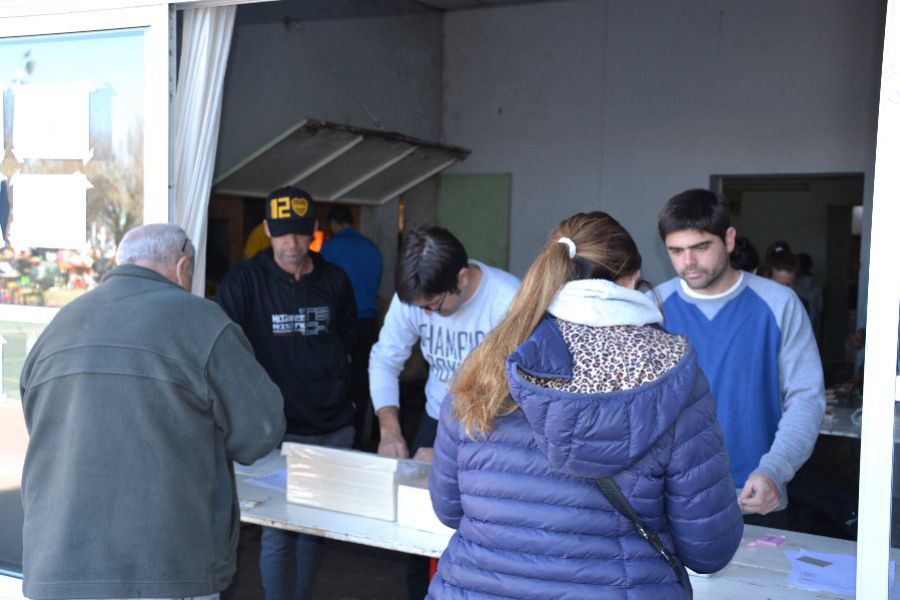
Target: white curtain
205,42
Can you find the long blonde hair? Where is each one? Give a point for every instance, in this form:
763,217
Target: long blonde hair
604,250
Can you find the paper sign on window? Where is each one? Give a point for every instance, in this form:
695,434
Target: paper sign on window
51,121
49,211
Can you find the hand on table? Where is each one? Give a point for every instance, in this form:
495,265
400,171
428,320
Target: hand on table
425,454
392,443
393,446
760,494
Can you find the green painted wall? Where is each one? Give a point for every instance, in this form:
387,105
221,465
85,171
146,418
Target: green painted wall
475,208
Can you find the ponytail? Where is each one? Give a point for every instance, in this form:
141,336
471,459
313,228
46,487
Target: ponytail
480,388
584,246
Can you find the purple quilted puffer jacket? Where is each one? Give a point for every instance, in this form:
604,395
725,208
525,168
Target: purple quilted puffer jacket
531,522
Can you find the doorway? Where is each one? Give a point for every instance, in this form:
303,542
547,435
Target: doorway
814,214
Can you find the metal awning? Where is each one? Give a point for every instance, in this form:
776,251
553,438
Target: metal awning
338,163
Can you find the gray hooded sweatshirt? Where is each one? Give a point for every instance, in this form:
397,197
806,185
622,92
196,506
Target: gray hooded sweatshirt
137,397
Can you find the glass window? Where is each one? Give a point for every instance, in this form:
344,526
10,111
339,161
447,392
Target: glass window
72,170
71,184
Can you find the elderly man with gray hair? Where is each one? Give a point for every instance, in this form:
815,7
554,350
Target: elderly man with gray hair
138,396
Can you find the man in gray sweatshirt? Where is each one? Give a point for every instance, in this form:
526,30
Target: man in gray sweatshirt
137,397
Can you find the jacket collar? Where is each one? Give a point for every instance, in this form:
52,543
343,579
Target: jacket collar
267,259
346,232
603,303
129,270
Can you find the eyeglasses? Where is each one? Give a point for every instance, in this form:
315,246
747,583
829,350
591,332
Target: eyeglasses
184,244
440,304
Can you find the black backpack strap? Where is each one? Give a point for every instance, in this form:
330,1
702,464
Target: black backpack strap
614,494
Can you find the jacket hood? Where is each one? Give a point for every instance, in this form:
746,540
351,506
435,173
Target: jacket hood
595,435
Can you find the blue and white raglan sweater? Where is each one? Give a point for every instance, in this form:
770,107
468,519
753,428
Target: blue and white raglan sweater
756,347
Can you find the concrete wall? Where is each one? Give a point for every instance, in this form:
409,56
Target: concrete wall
279,75
619,105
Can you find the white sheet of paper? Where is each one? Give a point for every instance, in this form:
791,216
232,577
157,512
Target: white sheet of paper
10,588
838,576
49,211
273,481
51,121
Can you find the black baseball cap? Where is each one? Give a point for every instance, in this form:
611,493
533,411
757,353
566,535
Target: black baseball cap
290,210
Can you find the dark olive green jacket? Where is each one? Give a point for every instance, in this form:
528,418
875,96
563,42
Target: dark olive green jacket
137,397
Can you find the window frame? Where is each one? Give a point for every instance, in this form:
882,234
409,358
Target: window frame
158,92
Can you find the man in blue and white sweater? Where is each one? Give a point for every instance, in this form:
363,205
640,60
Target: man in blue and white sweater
755,345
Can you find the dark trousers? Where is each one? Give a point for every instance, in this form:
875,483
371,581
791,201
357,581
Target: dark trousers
364,420
288,561
417,571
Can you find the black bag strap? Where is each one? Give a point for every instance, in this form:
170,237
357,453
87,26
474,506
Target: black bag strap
614,494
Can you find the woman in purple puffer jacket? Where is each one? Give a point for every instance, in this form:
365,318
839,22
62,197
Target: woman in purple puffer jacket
580,382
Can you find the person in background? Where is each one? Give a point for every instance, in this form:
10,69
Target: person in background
781,265
257,241
744,257
447,304
579,382
299,314
809,290
755,344
361,260
138,396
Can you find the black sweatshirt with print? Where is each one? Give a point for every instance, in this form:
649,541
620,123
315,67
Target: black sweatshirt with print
302,331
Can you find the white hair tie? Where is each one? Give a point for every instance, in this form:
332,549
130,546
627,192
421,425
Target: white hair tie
568,243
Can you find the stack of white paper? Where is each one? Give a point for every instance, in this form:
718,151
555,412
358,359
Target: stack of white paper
413,499
347,481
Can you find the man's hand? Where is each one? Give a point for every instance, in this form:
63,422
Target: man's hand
392,443
426,454
760,494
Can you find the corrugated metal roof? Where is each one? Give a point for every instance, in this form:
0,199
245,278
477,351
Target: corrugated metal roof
339,163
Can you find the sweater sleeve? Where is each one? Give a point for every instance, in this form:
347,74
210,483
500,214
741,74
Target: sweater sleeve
802,395
348,326
233,296
395,343
443,483
247,407
701,504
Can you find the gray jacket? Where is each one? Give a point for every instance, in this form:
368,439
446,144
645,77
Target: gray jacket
137,398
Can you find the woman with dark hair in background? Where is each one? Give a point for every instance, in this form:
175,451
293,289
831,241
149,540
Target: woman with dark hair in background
809,290
781,264
744,257
551,408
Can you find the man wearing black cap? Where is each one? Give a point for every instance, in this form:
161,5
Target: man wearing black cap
299,314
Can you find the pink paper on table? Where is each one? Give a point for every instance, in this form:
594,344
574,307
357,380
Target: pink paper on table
771,540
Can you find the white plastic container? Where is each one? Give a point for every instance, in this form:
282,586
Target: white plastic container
346,481
413,499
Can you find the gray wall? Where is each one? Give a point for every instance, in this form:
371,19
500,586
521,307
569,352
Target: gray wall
619,105
278,76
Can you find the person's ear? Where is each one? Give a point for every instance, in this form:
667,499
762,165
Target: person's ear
462,278
730,235
184,272
630,281
266,228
